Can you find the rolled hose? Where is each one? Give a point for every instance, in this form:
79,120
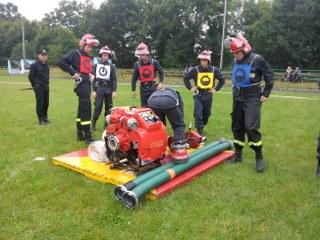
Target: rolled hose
121,189
97,151
131,198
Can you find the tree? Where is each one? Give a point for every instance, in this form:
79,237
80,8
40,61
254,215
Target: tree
118,24
9,11
72,15
284,31
57,40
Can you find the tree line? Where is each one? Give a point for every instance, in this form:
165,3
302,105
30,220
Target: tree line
284,31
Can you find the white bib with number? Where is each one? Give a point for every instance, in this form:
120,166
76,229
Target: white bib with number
103,71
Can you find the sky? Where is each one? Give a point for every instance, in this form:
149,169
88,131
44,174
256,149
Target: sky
36,9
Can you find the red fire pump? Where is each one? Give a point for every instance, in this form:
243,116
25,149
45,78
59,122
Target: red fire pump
135,138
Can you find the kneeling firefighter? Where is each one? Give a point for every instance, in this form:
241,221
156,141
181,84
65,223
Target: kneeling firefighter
168,103
248,95
78,64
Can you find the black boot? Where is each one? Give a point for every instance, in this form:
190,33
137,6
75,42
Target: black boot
260,163
88,138
237,156
80,135
200,131
46,119
318,170
42,121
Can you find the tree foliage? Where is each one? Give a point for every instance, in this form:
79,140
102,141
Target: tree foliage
284,31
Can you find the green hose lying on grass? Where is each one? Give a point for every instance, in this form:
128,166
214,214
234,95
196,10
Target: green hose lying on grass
131,197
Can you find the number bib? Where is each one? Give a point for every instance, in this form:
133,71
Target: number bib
205,80
103,71
241,75
146,73
85,64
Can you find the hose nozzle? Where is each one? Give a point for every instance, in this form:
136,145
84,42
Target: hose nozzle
130,200
119,191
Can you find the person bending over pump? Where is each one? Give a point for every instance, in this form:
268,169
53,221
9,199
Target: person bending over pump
168,103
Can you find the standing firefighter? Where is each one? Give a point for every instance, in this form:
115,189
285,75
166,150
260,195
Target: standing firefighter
78,64
104,85
204,76
168,103
248,95
145,70
39,79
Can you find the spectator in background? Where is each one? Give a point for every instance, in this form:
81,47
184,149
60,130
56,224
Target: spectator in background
296,76
39,79
288,75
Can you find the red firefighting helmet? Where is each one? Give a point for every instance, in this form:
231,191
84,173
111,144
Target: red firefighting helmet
239,43
89,39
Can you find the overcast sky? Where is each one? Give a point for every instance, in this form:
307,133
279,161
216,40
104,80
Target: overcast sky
35,9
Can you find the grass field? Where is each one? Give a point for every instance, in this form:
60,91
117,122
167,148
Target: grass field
41,201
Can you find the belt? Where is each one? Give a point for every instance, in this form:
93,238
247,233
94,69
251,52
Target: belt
104,84
84,79
203,90
252,90
147,83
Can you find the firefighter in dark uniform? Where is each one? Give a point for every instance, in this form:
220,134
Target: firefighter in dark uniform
167,102
318,156
39,79
204,76
78,64
104,85
145,70
248,95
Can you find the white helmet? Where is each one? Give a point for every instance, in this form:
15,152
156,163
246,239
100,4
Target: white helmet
141,50
105,49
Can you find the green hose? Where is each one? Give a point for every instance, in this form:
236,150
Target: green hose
131,198
121,189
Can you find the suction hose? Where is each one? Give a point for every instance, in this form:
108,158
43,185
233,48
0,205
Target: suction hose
121,189
131,198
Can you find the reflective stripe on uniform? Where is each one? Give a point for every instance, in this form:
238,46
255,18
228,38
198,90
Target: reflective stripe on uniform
240,143
85,123
78,120
255,144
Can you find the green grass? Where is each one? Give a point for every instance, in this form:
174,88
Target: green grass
41,201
